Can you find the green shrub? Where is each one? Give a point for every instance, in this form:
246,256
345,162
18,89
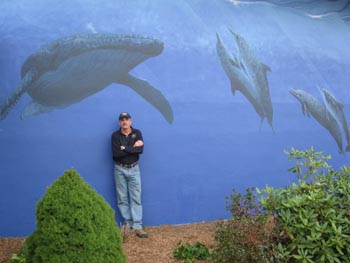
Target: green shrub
190,253
248,236
18,258
74,224
312,214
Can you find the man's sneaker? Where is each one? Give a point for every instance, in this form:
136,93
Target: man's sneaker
141,233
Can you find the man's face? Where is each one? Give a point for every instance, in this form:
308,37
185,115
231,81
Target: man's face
125,123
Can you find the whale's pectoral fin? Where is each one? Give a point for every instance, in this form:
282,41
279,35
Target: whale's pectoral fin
35,108
151,94
11,101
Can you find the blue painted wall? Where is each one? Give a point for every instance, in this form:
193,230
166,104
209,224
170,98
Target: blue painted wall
214,143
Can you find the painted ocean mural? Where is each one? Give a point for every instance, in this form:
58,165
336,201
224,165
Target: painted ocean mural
68,68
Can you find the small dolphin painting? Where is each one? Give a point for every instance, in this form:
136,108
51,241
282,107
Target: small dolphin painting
335,108
72,68
247,75
311,105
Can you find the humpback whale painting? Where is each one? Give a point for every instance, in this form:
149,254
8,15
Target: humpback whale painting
247,75
72,68
311,105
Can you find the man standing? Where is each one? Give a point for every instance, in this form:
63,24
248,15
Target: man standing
127,145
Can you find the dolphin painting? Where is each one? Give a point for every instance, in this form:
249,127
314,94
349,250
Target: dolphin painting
258,73
248,75
335,108
238,77
311,105
72,68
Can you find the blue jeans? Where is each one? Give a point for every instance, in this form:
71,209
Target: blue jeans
128,186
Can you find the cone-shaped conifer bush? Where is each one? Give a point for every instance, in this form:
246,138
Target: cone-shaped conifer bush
74,225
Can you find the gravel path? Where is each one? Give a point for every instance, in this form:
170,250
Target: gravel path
158,248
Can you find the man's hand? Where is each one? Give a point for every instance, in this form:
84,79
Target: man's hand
138,143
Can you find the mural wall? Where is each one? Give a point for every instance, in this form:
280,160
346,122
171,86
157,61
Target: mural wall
219,89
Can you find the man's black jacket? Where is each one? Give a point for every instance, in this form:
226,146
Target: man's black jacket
130,154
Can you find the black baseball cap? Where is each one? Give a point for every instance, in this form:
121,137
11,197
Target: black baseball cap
124,115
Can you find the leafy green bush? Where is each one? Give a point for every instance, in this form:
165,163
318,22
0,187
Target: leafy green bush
312,214
190,253
74,224
248,236
18,258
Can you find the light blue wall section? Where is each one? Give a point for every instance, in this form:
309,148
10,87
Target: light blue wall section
214,143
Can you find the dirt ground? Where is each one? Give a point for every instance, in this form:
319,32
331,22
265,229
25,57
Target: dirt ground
158,248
